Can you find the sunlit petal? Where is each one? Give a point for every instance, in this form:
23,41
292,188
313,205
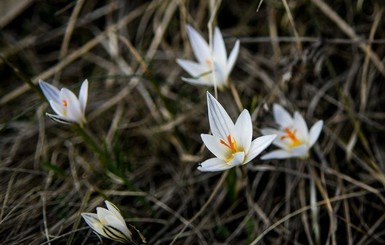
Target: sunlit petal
213,165
83,95
92,221
199,45
194,81
194,69
258,145
212,143
282,117
120,226
58,108
233,57
220,76
301,127
102,213
221,124
113,209
300,151
277,154
220,54
238,159
50,92
243,130
74,112
315,132
59,119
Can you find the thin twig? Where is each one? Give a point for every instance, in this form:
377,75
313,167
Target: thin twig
203,208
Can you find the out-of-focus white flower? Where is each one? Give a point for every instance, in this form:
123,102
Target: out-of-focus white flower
231,143
209,60
109,223
294,137
68,108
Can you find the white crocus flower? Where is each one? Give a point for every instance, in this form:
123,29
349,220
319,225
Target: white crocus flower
68,107
231,143
294,137
209,60
109,223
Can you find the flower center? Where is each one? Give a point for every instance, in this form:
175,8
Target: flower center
290,134
230,143
209,62
65,104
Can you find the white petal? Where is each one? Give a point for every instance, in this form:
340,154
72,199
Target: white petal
220,54
113,227
59,119
277,154
315,132
58,108
221,124
49,91
278,140
83,95
102,213
113,221
232,58
195,70
258,145
113,209
200,81
220,75
199,45
301,127
238,159
213,165
213,144
243,131
93,222
74,112
282,117
300,151
282,143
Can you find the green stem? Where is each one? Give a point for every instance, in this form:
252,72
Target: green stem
90,140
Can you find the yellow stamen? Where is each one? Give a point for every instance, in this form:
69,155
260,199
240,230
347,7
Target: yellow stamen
291,135
65,104
209,62
231,143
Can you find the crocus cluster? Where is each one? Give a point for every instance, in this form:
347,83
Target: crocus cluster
231,143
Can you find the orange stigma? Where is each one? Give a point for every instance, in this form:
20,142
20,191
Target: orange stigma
65,103
231,143
291,135
209,62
